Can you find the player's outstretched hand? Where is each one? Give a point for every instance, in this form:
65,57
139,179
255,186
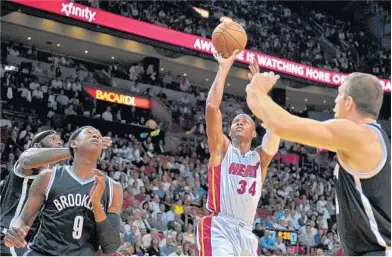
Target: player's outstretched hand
226,63
15,237
98,188
262,82
254,69
106,142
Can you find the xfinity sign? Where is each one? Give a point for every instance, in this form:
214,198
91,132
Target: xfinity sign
71,10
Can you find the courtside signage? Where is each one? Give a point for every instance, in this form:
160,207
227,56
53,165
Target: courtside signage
173,37
118,98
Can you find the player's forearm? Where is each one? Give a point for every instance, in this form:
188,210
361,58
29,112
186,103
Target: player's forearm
274,117
270,143
38,157
99,213
108,229
20,223
215,94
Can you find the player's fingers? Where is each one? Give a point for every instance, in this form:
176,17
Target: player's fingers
10,241
20,232
216,56
249,76
234,54
15,239
98,173
26,229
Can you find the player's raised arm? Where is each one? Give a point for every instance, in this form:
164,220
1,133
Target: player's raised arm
267,150
108,224
34,158
339,134
217,141
15,236
270,143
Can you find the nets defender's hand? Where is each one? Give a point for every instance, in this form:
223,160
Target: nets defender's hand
98,188
15,237
254,69
262,82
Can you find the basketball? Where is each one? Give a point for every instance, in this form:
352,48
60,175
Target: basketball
229,36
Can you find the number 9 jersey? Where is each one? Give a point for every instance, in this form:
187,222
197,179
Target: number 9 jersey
234,187
67,220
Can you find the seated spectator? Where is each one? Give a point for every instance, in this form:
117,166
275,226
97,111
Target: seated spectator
147,238
168,247
107,115
267,243
131,236
189,235
62,99
70,110
57,83
307,238
158,223
178,252
259,230
178,208
153,249
139,249
317,237
280,245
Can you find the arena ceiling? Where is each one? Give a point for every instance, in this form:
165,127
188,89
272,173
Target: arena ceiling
73,41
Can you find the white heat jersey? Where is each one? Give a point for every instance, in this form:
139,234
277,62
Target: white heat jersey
234,187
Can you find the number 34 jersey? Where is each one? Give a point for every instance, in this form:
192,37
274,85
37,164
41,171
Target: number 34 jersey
234,187
67,221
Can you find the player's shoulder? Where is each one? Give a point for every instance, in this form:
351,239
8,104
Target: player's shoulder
351,129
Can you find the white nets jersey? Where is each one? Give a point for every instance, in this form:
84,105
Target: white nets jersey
234,187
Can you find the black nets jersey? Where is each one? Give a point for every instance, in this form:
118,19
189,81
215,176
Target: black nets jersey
13,198
67,221
363,206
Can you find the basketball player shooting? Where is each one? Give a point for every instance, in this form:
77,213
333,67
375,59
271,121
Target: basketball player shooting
235,176
45,149
363,174
79,206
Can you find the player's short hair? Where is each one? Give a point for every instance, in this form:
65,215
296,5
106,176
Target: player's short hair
366,91
37,139
73,136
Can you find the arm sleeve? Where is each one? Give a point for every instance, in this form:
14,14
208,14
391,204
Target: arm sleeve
109,233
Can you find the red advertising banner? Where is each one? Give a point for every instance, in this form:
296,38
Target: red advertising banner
118,98
173,37
290,158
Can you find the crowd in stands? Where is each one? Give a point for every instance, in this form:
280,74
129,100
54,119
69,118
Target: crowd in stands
165,192
274,28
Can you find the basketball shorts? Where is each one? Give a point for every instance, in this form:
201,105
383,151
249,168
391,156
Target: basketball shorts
219,235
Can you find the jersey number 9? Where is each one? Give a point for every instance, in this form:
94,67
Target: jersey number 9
78,227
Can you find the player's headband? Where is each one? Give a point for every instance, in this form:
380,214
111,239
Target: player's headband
38,137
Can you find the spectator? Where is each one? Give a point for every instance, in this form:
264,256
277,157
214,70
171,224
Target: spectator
168,247
178,251
280,245
319,252
139,249
107,115
62,99
57,83
267,243
307,238
148,238
184,84
131,235
154,250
